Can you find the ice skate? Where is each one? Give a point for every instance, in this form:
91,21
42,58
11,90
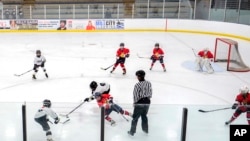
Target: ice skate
50,140
124,71
164,70
150,68
228,122
112,123
130,133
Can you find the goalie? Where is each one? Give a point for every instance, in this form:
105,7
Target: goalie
204,58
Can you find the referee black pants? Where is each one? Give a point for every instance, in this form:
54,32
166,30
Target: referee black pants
140,110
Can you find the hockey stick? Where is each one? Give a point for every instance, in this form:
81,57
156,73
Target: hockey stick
23,73
67,115
120,113
107,67
142,56
196,57
62,122
204,111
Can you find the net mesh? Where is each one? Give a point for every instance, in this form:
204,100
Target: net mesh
226,50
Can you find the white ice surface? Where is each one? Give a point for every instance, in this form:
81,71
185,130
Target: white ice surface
75,59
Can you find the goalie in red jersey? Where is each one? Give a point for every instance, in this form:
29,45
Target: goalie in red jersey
242,105
204,58
121,54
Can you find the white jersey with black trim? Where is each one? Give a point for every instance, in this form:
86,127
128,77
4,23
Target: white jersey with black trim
45,111
101,87
39,60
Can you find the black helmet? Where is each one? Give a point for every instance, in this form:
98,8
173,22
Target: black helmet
140,73
157,45
38,51
93,85
47,103
122,44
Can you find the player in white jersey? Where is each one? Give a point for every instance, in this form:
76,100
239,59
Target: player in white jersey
103,88
39,61
42,117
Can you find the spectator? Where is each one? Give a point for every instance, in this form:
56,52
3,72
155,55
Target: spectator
13,13
1,6
108,14
20,13
7,14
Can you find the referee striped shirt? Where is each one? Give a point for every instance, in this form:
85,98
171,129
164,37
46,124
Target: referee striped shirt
142,89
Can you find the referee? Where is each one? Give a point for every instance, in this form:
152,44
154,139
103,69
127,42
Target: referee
142,94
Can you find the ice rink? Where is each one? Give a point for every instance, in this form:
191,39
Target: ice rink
75,59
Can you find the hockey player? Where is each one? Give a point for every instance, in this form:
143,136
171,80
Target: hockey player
121,54
39,61
106,101
242,105
42,117
158,54
97,87
204,58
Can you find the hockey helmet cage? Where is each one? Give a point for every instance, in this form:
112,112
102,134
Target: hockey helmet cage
140,73
122,45
93,85
157,44
244,89
47,103
97,94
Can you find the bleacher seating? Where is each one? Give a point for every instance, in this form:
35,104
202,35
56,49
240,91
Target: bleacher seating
83,9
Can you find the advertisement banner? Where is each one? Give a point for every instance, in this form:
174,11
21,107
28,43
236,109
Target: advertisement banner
4,24
110,24
24,24
81,24
48,24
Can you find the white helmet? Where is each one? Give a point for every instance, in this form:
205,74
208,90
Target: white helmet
244,89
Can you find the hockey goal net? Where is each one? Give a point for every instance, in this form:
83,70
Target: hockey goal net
226,50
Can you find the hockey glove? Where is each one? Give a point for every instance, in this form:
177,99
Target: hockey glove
127,55
86,99
160,57
235,105
57,120
152,57
110,101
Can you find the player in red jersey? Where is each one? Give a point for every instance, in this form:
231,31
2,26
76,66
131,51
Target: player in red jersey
204,58
121,54
158,54
106,101
242,105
